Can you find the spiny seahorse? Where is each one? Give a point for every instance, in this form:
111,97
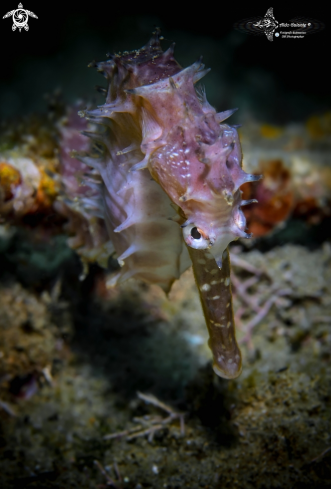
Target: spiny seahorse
161,144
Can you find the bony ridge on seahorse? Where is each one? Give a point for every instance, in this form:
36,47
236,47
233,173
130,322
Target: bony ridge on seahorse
157,123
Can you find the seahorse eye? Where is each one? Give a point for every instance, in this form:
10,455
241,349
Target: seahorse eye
195,233
197,238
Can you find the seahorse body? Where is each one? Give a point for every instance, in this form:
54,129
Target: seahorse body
162,143
148,244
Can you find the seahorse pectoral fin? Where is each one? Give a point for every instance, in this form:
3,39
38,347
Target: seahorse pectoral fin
216,299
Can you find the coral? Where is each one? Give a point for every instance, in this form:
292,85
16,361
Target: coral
295,162
275,196
29,182
10,178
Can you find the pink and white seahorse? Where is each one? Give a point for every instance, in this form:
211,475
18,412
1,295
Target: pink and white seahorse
161,144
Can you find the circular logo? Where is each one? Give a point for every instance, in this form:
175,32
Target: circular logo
20,18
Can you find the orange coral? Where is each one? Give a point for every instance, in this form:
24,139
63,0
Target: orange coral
9,177
47,191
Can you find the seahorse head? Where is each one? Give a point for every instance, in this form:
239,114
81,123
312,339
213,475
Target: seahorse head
195,158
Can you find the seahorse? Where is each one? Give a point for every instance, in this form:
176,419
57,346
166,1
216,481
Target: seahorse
161,145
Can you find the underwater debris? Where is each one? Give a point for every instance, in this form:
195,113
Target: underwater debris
7,408
274,410
30,342
285,277
149,425
109,481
